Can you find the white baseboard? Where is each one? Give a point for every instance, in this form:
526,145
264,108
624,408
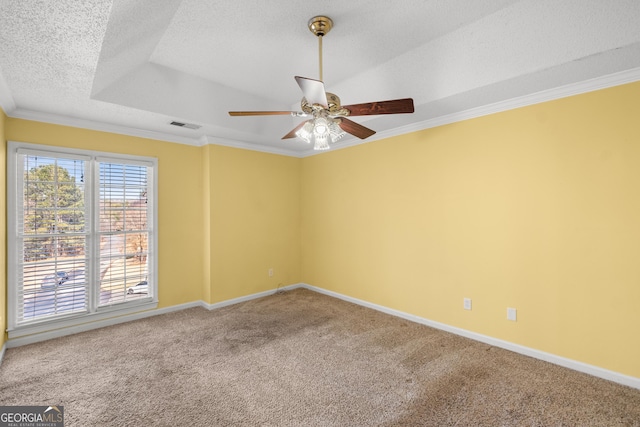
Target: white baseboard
61,332
516,348
96,324
249,297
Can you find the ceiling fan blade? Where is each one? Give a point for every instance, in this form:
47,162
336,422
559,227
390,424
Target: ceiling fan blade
355,129
395,106
261,113
292,134
313,90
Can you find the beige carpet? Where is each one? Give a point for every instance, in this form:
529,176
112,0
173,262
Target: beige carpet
301,359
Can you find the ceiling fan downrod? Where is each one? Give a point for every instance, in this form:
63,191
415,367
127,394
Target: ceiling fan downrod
319,26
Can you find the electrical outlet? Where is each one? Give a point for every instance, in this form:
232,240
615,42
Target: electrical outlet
467,304
271,272
511,314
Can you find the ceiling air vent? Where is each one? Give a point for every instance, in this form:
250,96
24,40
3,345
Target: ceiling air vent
186,125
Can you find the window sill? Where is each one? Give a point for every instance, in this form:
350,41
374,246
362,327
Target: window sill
39,331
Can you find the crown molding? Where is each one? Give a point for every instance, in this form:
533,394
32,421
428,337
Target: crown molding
591,85
57,119
560,92
8,105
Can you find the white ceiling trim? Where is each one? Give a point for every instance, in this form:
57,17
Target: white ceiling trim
102,127
598,83
616,79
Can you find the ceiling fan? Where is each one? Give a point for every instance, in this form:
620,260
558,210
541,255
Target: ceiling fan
329,122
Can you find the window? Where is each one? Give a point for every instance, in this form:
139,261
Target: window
82,236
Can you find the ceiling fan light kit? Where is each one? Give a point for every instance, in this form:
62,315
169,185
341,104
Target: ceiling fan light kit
329,123
321,130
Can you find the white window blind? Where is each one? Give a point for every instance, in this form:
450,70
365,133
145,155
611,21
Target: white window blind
84,235
123,231
52,237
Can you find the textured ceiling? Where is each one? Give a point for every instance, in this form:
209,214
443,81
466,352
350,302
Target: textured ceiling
134,66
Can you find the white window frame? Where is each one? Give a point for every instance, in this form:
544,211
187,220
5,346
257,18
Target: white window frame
14,202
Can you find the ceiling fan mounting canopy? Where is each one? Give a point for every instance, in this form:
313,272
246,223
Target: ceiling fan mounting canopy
320,25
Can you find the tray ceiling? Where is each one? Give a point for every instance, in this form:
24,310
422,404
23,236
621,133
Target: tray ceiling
136,66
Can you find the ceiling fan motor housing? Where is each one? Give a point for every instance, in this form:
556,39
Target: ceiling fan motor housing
333,105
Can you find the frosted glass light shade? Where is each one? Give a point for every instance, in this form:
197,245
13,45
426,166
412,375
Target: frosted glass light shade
321,130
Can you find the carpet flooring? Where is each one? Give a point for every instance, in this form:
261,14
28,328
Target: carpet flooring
300,358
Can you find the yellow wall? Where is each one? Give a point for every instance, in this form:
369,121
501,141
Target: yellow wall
180,213
254,221
226,216
536,208
3,230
